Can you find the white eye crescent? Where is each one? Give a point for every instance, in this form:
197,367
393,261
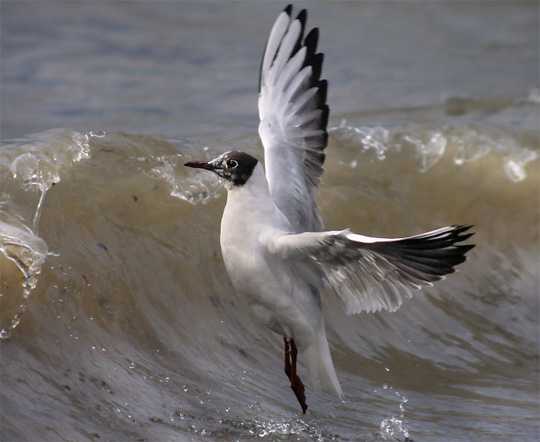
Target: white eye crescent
232,164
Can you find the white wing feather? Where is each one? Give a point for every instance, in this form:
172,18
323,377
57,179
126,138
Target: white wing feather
294,115
371,274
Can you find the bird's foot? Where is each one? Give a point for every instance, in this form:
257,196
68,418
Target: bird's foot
291,353
299,391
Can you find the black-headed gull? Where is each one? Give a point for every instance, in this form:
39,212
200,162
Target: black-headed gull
272,238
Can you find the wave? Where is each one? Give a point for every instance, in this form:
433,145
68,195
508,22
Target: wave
130,328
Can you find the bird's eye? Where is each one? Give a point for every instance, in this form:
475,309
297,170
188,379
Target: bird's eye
232,164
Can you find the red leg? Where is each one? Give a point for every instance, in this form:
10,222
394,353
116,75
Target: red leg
288,370
294,355
296,383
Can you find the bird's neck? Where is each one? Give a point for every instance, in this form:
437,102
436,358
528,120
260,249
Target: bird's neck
252,199
255,187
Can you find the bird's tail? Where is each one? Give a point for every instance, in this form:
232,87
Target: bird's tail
318,360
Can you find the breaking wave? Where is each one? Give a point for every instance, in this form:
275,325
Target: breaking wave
116,308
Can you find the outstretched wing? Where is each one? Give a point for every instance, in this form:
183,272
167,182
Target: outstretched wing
372,274
294,116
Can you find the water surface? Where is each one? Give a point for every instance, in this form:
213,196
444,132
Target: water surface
118,321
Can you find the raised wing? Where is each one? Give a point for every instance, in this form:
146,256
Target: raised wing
372,274
294,116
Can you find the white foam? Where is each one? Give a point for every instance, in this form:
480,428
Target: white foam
28,252
430,145
38,162
534,96
369,138
394,428
430,148
195,189
514,165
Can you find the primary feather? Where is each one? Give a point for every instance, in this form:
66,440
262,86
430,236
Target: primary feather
294,117
371,274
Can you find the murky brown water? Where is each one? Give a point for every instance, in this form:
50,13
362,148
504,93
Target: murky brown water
117,319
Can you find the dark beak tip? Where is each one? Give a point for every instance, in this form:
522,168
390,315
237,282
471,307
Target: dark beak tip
197,164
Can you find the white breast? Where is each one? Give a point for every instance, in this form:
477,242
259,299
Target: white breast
249,215
278,297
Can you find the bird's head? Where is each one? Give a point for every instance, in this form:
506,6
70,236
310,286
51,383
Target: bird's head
235,167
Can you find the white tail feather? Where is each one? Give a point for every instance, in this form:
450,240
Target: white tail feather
318,360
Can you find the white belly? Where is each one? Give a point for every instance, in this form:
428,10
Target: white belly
276,291
279,299
276,297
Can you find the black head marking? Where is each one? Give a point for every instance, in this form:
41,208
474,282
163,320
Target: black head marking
235,167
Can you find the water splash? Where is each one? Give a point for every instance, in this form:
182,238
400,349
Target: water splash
514,165
430,148
37,163
195,189
35,172
44,156
534,96
430,145
394,428
28,252
464,144
369,138
286,427
471,145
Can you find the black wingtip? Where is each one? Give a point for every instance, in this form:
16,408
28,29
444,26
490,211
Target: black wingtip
315,61
464,248
311,40
465,237
302,17
325,114
288,10
462,232
323,92
462,227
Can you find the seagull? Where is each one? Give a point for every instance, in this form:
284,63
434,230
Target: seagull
276,251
